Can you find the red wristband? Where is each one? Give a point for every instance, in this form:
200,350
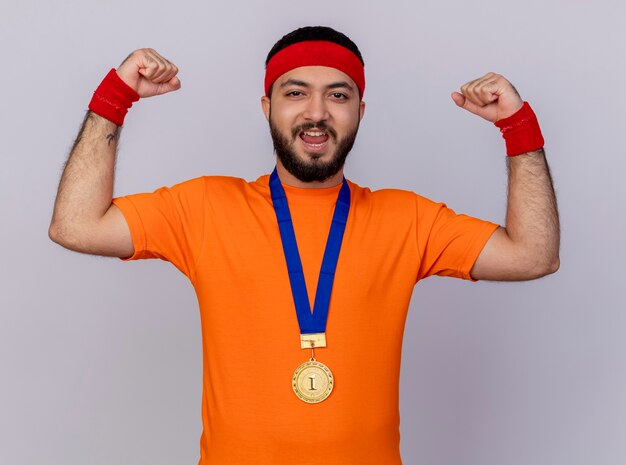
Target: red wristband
521,131
113,98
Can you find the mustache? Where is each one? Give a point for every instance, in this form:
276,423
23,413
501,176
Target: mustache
322,126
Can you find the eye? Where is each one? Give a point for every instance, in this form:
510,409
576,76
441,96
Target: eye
339,96
294,93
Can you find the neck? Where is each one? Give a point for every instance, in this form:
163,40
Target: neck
289,179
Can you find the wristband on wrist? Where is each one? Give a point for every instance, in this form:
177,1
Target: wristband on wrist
113,98
521,131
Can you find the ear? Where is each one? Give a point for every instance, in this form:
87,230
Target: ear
265,106
361,110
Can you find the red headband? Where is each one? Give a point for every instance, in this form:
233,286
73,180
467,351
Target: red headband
315,53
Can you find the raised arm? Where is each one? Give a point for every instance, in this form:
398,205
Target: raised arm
84,218
528,247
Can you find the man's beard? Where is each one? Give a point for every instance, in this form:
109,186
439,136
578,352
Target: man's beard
313,169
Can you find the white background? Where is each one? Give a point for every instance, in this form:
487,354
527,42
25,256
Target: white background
100,361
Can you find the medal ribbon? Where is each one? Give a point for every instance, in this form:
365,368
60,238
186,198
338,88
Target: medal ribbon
314,322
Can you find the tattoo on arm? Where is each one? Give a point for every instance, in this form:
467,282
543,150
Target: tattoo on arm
112,136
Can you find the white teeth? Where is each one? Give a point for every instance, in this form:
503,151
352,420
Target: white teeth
315,134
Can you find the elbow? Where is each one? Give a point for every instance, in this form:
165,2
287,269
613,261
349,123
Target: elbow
54,233
61,235
555,265
544,267
551,261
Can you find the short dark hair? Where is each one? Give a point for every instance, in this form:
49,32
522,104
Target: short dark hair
314,33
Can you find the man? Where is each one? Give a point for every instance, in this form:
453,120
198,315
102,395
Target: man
254,251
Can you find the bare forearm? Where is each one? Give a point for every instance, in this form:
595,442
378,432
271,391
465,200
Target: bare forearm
86,186
532,220
528,248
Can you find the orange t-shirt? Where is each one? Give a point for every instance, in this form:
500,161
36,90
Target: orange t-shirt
222,233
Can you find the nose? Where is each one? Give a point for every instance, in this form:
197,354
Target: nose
316,109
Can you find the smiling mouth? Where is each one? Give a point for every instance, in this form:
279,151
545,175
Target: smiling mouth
314,138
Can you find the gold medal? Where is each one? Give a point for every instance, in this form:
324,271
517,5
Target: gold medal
312,381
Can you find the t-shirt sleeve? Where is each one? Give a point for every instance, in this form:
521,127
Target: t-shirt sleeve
448,243
167,223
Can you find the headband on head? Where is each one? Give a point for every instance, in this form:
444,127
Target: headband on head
315,53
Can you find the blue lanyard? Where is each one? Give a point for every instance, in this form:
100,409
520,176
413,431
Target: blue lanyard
310,322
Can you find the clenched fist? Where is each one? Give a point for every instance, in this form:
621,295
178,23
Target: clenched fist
148,73
491,97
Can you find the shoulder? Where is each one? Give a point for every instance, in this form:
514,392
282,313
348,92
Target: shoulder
199,191
388,197
220,184
396,205
232,193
